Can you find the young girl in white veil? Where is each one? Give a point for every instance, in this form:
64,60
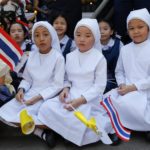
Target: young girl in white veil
43,76
84,85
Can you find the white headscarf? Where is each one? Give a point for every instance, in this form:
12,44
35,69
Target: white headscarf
4,69
4,72
55,41
141,14
92,24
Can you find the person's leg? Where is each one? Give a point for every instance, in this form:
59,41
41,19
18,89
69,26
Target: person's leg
47,135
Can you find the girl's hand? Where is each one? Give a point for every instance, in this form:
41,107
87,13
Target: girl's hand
33,100
63,95
20,95
75,103
126,89
121,86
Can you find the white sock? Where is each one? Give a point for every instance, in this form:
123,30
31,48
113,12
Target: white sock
38,132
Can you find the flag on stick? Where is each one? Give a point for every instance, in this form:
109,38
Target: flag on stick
121,132
10,52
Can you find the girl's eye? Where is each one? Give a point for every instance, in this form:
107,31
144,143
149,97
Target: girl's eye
46,34
36,35
88,36
77,34
19,30
12,31
140,27
130,28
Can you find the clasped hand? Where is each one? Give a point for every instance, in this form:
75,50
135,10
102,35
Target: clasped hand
33,100
72,103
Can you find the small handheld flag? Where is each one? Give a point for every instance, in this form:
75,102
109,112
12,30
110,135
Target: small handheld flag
10,52
121,132
89,123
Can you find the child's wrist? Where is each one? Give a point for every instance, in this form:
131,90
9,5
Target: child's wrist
83,100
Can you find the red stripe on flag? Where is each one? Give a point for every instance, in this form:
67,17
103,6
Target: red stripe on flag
23,23
118,117
6,61
11,40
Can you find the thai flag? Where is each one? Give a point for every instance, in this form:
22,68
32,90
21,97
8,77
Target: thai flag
121,132
10,52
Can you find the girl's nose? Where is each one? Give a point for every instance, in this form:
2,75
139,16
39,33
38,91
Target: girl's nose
41,37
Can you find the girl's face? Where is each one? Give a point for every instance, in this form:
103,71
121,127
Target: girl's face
17,33
106,32
42,39
60,26
84,38
138,30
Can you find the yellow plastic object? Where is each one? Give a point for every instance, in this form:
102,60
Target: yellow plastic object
89,123
27,122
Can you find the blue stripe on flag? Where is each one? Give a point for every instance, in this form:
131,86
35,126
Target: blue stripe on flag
6,49
120,130
116,120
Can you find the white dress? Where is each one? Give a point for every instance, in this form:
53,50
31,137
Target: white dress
44,75
134,68
86,74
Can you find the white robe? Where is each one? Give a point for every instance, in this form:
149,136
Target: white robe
86,74
134,68
44,75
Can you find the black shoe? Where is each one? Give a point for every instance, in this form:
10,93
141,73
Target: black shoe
148,136
50,138
115,139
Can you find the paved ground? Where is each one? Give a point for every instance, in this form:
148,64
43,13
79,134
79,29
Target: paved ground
12,139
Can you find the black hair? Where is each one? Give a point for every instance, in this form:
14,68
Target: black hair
25,30
60,14
110,24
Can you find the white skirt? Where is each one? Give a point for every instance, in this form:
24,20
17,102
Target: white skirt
133,109
62,121
10,112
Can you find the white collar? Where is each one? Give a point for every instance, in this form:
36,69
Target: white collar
108,45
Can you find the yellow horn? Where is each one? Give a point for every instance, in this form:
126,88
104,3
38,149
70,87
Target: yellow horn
27,122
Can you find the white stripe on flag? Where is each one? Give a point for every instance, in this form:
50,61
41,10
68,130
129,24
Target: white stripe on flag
118,120
7,57
122,133
9,44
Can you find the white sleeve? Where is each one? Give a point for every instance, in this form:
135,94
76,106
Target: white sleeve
58,80
143,84
119,71
27,80
67,83
99,83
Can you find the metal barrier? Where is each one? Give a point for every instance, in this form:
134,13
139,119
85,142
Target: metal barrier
100,8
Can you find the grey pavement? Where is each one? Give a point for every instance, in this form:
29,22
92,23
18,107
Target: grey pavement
12,139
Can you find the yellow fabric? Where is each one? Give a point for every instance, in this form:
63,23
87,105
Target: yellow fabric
89,123
4,71
3,68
